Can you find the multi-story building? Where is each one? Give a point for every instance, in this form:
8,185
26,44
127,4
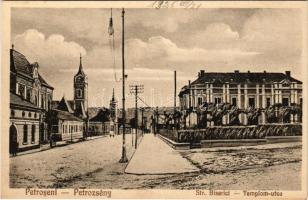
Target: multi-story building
243,90
30,100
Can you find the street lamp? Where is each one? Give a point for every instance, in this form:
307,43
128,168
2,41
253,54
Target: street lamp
123,157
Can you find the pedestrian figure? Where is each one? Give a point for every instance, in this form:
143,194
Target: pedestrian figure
15,148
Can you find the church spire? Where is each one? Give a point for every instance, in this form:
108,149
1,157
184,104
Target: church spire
80,71
112,95
80,64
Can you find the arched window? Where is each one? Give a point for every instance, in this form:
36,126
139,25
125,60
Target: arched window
29,114
33,133
23,113
25,135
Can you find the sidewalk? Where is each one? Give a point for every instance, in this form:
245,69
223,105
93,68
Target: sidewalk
45,147
153,156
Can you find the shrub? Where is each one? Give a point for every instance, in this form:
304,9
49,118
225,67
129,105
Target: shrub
233,132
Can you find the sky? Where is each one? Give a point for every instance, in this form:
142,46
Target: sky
157,42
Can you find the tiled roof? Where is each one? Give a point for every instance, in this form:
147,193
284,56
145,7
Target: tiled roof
42,80
65,115
18,101
92,111
20,64
102,116
242,77
64,106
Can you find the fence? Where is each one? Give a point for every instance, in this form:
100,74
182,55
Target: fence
232,132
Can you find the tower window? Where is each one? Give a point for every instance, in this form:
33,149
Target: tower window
79,93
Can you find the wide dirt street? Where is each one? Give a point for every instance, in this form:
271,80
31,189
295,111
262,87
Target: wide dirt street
94,164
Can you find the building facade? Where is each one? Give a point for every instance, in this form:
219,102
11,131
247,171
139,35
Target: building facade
25,119
64,125
105,121
30,100
244,90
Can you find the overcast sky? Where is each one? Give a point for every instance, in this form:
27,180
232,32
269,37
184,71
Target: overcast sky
157,43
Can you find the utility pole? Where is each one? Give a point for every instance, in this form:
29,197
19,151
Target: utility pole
174,91
136,89
174,120
189,104
123,157
142,123
156,120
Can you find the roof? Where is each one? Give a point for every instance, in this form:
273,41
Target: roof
21,65
92,111
42,80
103,115
64,106
242,77
64,115
19,101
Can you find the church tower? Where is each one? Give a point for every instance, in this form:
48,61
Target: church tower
113,108
81,92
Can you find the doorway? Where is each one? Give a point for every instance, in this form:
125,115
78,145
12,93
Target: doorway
13,139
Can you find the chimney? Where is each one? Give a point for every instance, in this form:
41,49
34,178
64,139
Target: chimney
264,72
288,74
236,71
201,73
248,71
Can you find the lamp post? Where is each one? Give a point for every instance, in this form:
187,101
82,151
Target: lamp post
123,157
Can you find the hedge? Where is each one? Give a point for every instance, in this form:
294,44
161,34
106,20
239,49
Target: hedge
233,132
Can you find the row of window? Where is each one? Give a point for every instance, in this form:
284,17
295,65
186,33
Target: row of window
25,133
251,101
71,128
23,114
26,92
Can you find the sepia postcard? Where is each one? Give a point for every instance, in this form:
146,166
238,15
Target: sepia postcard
154,99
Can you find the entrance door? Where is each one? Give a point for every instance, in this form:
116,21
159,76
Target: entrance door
13,139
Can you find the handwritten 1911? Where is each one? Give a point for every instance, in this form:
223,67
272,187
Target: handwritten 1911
173,4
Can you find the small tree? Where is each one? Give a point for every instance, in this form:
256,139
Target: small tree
253,115
234,116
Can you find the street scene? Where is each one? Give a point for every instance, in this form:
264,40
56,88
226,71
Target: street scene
156,98
256,167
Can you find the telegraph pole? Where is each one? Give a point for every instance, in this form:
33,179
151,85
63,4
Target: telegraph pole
136,89
124,157
174,91
142,123
156,120
189,103
174,120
